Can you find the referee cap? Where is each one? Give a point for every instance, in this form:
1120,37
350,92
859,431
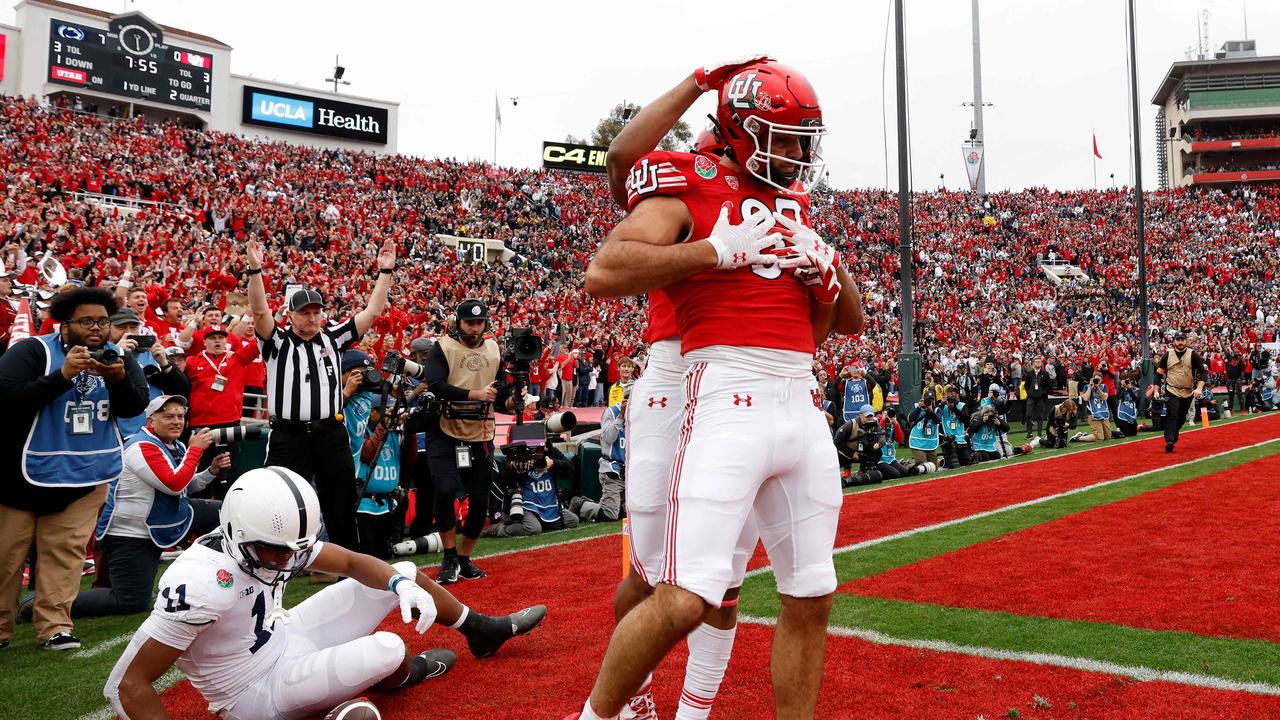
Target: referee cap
303,298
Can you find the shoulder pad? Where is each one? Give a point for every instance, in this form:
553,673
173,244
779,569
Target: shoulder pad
198,588
659,173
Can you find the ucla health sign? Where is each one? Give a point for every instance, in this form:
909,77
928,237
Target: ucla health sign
314,115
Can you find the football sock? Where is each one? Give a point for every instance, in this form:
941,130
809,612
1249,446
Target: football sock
709,651
589,714
462,618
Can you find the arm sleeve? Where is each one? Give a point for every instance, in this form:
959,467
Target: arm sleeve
344,334
246,354
436,372
24,386
200,481
152,466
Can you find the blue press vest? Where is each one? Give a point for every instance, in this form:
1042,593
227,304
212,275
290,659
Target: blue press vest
52,456
888,453
951,424
1098,407
924,435
170,516
386,467
856,394
1127,409
986,438
538,493
616,453
130,426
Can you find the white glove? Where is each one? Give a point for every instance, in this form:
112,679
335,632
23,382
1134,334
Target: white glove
803,240
713,75
743,244
413,598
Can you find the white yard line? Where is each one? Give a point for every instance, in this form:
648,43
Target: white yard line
1143,674
103,646
1016,506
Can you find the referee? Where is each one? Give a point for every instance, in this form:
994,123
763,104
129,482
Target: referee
304,388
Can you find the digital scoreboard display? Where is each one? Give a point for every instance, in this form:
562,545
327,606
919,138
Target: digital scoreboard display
129,59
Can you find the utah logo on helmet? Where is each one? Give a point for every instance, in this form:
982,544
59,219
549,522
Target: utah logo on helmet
764,111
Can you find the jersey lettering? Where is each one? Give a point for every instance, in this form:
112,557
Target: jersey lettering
178,602
644,178
259,618
783,205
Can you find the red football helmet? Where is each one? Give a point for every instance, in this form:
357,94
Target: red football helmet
765,101
708,143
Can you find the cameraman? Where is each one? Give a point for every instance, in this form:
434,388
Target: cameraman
162,377
867,439
1061,418
464,367
1182,368
955,425
986,428
535,507
613,469
926,426
1094,398
375,452
62,446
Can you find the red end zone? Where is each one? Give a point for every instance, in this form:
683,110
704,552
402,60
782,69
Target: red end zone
1198,557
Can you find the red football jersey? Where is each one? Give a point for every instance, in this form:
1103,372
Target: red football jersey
662,318
761,306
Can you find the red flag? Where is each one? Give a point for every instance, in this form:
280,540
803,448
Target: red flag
1095,147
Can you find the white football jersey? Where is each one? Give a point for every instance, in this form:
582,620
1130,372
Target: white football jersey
219,616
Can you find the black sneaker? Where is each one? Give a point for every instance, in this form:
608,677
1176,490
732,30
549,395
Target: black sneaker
429,664
1168,447
448,570
496,631
61,641
467,570
4,644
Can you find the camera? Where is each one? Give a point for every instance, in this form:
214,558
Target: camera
144,341
371,379
522,348
527,444
228,435
105,355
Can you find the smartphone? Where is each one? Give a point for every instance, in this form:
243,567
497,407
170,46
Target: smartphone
144,341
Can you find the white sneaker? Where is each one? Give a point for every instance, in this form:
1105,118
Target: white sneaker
641,707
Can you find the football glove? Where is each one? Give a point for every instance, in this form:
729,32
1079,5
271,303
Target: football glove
743,244
711,77
413,598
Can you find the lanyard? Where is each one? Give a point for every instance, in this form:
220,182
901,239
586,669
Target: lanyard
217,369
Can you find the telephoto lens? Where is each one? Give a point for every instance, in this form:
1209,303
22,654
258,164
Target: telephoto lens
228,435
417,546
105,355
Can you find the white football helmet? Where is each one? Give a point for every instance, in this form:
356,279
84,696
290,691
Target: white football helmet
271,508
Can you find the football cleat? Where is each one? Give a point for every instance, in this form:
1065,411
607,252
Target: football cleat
467,570
485,643
640,707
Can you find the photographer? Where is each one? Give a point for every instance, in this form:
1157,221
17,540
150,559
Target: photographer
1184,374
148,509
926,426
62,393
986,428
1061,418
889,467
1127,424
375,452
535,506
1094,398
162,377
867,440
955,425
613,469
857,391
464,367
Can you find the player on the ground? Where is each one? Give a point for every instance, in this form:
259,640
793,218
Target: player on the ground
219,616
653,417
749,433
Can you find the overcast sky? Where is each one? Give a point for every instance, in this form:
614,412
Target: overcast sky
1054,69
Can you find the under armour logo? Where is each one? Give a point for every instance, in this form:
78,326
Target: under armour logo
660,402
742,399
739,258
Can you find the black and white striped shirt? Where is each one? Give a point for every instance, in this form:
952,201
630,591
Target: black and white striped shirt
304,377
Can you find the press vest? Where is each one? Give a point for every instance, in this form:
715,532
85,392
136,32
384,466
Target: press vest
924,435
855,396
538,495
1098,407
1178,375
472,369
951,424
170,516
52,456
385,475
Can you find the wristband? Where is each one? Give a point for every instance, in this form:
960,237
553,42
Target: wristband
253,271
385,271
396,580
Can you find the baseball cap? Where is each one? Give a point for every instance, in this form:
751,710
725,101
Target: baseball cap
354,359
154,406
1179,335
125,316
995,387
421,344
867,411
174,351
215,330
472,309
303,298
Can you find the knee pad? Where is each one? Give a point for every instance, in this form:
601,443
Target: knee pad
390,651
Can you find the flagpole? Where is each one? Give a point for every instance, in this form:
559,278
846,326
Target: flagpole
495,133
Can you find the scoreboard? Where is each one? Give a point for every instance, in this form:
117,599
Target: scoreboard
130,59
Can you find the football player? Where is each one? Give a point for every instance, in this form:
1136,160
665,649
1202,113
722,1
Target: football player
219,616
692,182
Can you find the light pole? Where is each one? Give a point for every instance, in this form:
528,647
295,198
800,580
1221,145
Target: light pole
909,360
1148,369
338,72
